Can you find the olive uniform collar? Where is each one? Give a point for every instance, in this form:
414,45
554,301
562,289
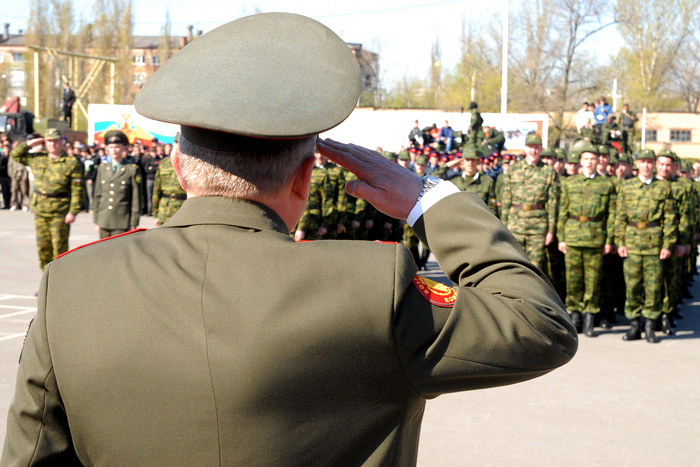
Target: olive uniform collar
221,211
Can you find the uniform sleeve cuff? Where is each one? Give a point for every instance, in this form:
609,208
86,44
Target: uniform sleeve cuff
441,190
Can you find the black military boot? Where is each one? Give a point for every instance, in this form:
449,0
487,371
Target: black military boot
649,331
634,332
576,318
588,327
666,324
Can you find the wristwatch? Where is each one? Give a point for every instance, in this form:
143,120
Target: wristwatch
428,184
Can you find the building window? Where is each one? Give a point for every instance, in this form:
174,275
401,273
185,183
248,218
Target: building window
155,60
17,78
139,60
651,135
680,136
140,78
17,57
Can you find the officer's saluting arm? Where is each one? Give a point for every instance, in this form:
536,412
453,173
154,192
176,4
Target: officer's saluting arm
507,323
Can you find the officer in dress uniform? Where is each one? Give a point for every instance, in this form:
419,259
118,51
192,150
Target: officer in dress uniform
255,349
117,190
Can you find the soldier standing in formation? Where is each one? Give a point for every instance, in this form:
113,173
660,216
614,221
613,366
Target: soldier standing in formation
117,190
666,170
168,195
471,179
58,192
645,229
586,230
531,200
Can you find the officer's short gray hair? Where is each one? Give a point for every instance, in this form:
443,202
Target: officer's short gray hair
248,174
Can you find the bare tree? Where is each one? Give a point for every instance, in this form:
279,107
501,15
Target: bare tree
164,46
654,33
576,21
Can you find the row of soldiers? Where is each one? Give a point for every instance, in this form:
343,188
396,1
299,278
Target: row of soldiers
611,232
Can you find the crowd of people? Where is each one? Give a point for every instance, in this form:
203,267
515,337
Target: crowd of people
616,233
593,242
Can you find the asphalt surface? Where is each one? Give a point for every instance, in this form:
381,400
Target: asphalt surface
615,404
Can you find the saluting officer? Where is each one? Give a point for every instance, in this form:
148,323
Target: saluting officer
117,190
58,192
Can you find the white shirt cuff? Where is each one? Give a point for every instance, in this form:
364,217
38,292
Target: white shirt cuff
440,191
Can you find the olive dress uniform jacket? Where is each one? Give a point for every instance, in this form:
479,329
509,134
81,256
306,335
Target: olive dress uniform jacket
117,196
256,350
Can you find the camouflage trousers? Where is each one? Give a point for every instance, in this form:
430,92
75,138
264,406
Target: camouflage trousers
672,273
644,286
51,238
612,288
555,268
534,247
584,267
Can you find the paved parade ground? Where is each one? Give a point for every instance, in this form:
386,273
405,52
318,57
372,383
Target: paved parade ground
616,404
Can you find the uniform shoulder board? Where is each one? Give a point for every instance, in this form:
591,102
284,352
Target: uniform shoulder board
100,240
436,293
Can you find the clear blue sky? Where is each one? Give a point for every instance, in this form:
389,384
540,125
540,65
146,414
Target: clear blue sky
401,31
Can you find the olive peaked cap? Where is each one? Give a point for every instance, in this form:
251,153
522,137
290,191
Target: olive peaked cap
270,75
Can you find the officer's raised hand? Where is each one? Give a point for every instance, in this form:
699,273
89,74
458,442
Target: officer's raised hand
389,187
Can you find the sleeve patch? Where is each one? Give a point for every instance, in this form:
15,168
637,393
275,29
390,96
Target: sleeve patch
435,292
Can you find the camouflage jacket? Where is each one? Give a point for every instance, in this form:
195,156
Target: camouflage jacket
168,195
641,205
530,199
587,211
312,218
58,183
482,184
682,194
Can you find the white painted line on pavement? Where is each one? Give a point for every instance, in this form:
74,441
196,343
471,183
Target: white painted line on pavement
10,297
12,336
27,310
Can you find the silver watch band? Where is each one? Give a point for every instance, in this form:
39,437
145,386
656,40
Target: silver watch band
428,184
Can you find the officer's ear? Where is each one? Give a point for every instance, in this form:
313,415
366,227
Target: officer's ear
302,179
175,160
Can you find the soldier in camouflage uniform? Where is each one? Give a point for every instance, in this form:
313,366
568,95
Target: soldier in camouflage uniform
586,231
168,195
313,225
666,169
530,201
471,179
58,192
627,120
475,124
118,190
646,232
